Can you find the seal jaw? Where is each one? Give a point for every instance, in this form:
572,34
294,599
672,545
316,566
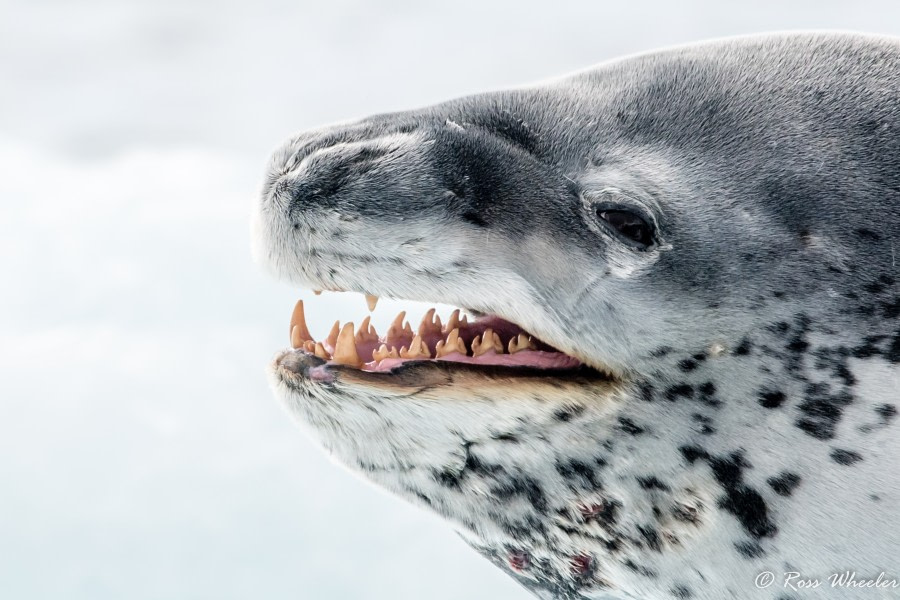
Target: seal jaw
486,342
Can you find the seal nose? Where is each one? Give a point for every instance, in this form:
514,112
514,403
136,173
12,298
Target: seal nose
347,175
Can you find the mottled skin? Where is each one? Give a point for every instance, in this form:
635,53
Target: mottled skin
750,423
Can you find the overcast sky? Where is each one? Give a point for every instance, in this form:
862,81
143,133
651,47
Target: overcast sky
141,452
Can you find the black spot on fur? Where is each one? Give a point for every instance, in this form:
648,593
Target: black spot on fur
835,361
785,483
523,487
707,392
575,471
628,426
640,570
893,351
680,592
875,287
822,410
651,537
705,423
781,327
887,412
743,349
891,308
448,479
652,483
472,217
797,344
646,392
749,549
505,437
693,453
681,390
845,457
771,398
868,234
568,412
472,464
745,503
687,365
476,465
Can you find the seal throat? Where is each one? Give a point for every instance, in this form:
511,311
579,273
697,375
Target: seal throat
488,340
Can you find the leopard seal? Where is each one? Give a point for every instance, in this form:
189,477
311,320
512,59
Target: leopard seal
684,365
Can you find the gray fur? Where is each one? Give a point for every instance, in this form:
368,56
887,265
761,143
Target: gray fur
755,345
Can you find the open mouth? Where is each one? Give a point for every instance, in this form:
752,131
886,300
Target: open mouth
487,340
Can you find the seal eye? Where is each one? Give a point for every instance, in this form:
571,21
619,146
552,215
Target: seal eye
629,225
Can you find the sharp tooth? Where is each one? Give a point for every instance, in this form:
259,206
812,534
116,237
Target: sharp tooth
521,342
398,330
495,341
309,346
296,342
298,322
397,325
476,346
423,347
331,340
453,322
431,324
452,344
345,349
383,353
371,301
317,292
417,349
487,341
321,352
366,332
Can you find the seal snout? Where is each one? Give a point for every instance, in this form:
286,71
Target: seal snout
340,173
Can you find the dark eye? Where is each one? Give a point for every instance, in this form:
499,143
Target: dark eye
629,225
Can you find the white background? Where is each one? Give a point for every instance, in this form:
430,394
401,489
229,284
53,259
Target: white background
141,453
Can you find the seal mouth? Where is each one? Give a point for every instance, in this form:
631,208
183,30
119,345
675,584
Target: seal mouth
486,341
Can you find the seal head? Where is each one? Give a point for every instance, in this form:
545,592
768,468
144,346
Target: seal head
683,271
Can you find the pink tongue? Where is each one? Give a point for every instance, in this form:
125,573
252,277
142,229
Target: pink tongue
524,358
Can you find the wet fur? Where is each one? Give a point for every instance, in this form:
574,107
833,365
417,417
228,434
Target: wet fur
752,424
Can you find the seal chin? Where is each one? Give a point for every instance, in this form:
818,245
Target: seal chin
488,342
